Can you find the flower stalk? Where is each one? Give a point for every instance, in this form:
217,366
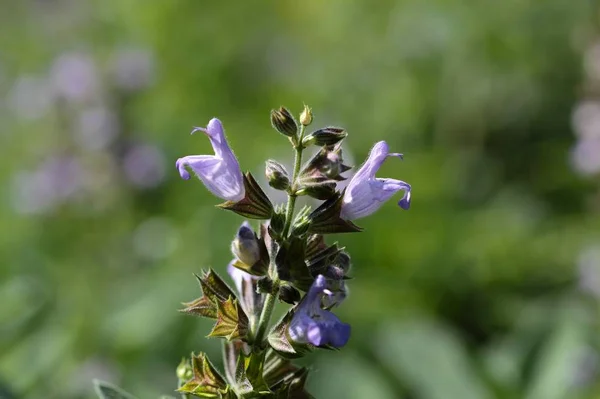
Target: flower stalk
286,259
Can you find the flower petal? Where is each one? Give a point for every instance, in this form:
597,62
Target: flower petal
365,194
218,176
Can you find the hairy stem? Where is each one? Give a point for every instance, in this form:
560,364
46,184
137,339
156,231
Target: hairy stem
267,310
289,213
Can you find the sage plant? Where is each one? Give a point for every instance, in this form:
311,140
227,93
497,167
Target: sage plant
287,259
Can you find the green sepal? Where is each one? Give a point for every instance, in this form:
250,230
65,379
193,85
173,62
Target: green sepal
315,244
214,290
326,163
319,187
277,368
301,222
327,136
255,205
326,218
280,341
249,375
319,262
290,263
232,322
283,121
292,386
206,382
105,390
277,223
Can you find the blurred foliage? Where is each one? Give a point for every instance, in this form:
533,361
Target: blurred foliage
474,293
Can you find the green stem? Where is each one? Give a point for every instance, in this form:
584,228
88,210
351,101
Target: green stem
292,194
267,310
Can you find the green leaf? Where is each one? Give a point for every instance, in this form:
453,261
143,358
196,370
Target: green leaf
232,322
105,390
555,367
432,362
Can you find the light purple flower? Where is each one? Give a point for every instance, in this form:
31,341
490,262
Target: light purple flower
315,325
365,193
220,173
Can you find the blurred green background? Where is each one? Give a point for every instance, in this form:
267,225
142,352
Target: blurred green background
487,288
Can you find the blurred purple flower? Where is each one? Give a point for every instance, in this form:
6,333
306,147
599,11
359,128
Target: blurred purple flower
144,166
133,68
220,173
57,180
314,325
585,156
98,127
74,76
365,193
586,119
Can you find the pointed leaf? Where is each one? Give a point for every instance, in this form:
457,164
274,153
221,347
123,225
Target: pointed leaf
232,322
207,382
214,290
105,390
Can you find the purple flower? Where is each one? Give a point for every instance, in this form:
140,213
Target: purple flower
220,173
365,193
315,325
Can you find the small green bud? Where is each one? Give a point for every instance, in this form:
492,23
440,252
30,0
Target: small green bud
184,371
277,175
289,294
283,121
306,116
325,136
277,223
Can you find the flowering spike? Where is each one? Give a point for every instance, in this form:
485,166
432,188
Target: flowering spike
365,193
220,173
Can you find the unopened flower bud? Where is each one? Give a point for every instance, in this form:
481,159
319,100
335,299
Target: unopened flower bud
184,371
283,121
277,175
289,294
245,245
277,223
325,136
306,116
